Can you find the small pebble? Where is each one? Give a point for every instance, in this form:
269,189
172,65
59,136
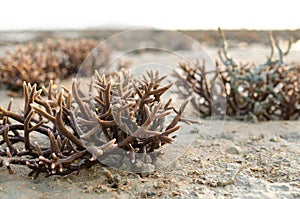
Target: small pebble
254,169
175,193
234,150
151,193
198,160
159,185
196,172
274,139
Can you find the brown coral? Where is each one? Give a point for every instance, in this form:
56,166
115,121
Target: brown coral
125,117
50,60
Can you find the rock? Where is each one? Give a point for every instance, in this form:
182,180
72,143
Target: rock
159,185
151,194
234,150
274,139
254,169
249,157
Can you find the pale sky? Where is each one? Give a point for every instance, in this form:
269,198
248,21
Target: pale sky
185,14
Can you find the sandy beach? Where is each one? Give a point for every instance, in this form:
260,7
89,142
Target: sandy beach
218,159
246,160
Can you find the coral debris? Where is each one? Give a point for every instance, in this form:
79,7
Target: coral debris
268,91
124,114
50,60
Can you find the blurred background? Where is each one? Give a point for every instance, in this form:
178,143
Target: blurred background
245,23
186,15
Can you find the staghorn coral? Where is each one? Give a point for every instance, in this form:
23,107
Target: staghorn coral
121,115
194,81
51,60
268,91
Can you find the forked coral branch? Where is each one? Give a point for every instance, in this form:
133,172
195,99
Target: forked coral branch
268,91
125,114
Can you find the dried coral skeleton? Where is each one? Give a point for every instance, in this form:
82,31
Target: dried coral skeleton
125,115
266,92
269,91
51,60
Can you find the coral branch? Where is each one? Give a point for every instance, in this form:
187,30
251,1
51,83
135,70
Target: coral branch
127,113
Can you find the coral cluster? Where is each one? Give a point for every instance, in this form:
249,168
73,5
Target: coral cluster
120,115
268,91
50,60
